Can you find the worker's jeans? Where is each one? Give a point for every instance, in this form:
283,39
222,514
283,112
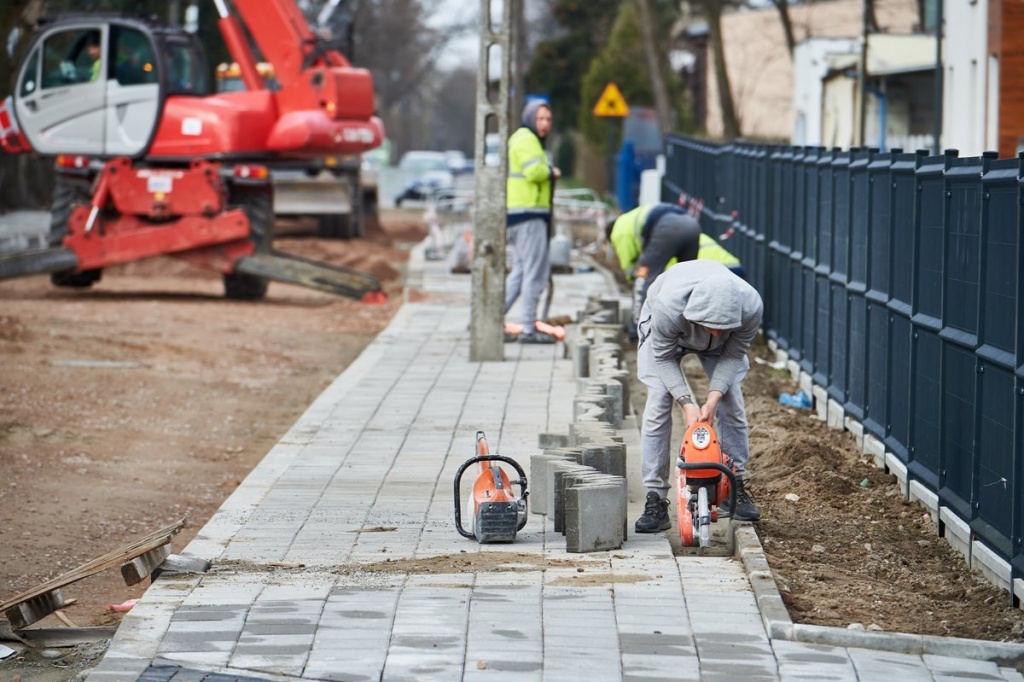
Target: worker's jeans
530,268
656,430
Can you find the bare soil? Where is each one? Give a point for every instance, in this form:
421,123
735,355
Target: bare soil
848,549
150,397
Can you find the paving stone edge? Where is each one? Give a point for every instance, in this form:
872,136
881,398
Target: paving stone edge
779,625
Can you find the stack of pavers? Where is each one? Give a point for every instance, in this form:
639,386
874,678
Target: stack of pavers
580,479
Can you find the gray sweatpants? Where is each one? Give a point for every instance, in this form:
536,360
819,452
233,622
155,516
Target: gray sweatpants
656,430
673,236
530,268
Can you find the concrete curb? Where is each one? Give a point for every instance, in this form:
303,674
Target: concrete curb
779,625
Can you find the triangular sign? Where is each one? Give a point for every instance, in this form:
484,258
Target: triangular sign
611,103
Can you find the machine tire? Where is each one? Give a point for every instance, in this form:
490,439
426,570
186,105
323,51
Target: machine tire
258,204
334,226
68,192
371,214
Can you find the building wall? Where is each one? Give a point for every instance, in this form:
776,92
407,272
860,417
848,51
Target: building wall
1007,21
968,78
760,68
810,66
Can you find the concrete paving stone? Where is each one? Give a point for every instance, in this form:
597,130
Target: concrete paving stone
731,645
654,667
349,672
662,644
732,673
800,661
211,659
272,666
581,669
885,665
947,668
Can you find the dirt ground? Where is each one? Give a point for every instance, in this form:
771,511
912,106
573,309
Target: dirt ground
850,549
149,398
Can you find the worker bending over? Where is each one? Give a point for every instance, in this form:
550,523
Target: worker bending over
698,307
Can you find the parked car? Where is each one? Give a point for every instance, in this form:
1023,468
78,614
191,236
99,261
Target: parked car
430,172
456,161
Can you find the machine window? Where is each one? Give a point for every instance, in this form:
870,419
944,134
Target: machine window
73,56
135,61
186,70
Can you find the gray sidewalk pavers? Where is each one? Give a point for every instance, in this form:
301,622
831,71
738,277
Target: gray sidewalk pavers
337,558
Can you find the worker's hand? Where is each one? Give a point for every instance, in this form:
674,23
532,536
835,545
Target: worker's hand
555,173
707,411
691,413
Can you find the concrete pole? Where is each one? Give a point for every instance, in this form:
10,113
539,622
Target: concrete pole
862,77
487,304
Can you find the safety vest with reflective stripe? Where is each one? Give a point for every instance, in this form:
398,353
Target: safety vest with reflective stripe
712,250
626,236
529,176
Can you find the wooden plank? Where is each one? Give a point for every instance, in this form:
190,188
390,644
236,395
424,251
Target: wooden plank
119,556
32,610
140,568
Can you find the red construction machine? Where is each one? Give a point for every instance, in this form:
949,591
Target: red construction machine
151,162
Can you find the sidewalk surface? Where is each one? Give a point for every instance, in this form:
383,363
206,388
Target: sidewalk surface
365,477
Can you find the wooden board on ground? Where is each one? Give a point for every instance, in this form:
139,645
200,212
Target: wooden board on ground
37,603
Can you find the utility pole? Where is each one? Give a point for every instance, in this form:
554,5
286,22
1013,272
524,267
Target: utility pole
487,304
939,72
862,80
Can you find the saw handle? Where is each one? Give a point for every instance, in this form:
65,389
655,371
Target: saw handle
523,494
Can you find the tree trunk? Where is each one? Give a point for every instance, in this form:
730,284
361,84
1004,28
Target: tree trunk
651,44
787,24
730,123
872,17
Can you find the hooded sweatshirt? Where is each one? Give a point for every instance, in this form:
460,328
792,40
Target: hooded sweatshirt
682,301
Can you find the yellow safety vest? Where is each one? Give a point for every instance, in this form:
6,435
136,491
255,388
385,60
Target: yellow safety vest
625,236
529,176
712,250
627,241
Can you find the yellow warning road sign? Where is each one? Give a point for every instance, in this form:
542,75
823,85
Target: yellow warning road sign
611,103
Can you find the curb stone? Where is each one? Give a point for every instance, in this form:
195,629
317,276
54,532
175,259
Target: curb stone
779,625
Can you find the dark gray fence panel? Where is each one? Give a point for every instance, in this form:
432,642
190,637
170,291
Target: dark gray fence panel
996,486
961,287
926,427
809,261
755,263
779,243
822,269
1017,561
879,228
857,285
903,262
838,275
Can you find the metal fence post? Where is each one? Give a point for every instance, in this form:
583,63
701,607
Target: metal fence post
879,237
902,268
857,284
995,488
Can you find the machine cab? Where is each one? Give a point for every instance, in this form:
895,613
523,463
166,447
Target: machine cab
96,86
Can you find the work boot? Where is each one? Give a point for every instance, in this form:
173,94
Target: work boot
655,516
746,510
536,337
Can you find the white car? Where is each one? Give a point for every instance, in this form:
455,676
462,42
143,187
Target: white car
429,171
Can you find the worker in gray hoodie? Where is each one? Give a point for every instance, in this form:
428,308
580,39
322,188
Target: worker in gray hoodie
696,307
